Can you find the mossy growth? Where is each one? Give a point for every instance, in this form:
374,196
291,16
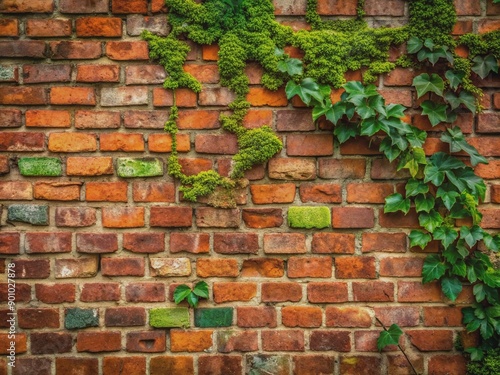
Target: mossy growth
489,365
309,217
482,44
169,317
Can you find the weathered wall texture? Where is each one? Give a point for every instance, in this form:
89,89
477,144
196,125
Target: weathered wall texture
100,236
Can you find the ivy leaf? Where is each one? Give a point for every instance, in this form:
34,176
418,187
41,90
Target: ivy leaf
446,234
471,235
425,83
469,100
436,112
335,112
201,289
395,202
476,354
370,126
483,65
320,110
181,293
451,253
291,66
451,287
430,220
458,142
449,197
414,187
452,99
424,202
416,137
414,44
389,150
491,242
476,184
394,110
192,300
492,277
432,54
364,110
479,292
344,131
440,163
307,90
433,269
358,92
389,337
454,77
419,238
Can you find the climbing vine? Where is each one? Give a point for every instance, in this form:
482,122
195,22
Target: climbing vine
443,189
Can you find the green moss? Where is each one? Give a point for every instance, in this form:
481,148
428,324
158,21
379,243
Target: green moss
169,317
309,217
139,167
81,318
489,365
433,19
41,166
29,213
215,317
482,44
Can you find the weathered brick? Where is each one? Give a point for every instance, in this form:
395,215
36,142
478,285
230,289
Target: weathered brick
218,96
341,168
263,267
125,316
9,73
301,316
48,119
58,191
262,217
386,8
23,292
144,242
431,340
50,28
50,343
71,268
320,193
131,365
327,292
55,293
401,267
384,242
72,142
278,193
368,192
217,268
124,50
190,242
217,218
259,96
121,142
23,95
122,217
96,243
237,341
289,340
16,190
353,217
158,25
373,291
398,220
219,364
123,266
28,213
144,74
68,365
322,340
139,167
145,292
40,366
23,48
284,243
237,291
98,292
75,6
366,341
298,267
225,144
412,291
291,169
31,318
75,50
176,364
170,267
129,6
90,27
10,243
261,316
309,145
95,342
447,364
340,7
281,292
190,341
10,118
355,267
124,96
404,316
9,27
48,242
360,365
145,119
97,73
32,268
171,216
236,243
89,166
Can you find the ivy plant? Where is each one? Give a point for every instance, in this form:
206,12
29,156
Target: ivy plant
192,296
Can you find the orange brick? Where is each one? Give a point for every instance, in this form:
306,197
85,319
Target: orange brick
72,96
217,268
122,217
59,191
20,343
48,119
263,267
210,52
355,267
321,193
123,50
106,191
165,98
193,166
399,77
337,8
348,317
259,97
278,193
309,145
301,316
415,291
98,27
72,142
89,166
327,292
229,292
98,73
153,192
9,27
163,142
298,267
198,119
23,95
190,341
255,118
373,291
129,6
121,142
48,27
16,190
368,192
353,217
95,342
487,25
206,73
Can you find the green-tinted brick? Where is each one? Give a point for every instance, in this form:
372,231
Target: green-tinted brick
40,166
139,167
7,72
81,318
29,213
169,317
268,364
309,217
217,317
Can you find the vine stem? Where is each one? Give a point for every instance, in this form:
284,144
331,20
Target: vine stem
400,348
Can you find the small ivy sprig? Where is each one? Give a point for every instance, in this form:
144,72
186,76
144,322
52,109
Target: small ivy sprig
184,292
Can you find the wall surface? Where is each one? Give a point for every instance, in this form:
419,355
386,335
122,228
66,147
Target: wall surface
99,235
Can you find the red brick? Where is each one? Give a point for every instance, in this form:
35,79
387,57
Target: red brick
190,341
488,122
294,120
47,118
262,217
122,217
96,243
122,142
447,364
125,316
400,77
217,268
130,365
386,8
57,191
10,118
129,6
373,291
23,48
208,217
95,342
224,144
124,50
277,193
431,340
236,243
145,292
50,28
277,341
98,27
38,318
50,343
219,364
89,166
353,217
360,365
259,97
368,192
263,267
401,267
72,96
341,168
165,98
16,190
322,340
239,341
413,291
75,216
229,292
398,220
299,267
355,267
321,193
55,293
327,292
77,365
487,25
98,73
398,96
195,243
333,243
309,145
98,292
48,242
404,316
144,242
301,316
384,242
27,6
10,243
106,191
253,317
465,8
438,316
198,119
171,217
20,343
9,27
284,243
23,95
206,73
75,50
23,291
348,317
366,341
122,266
399,365
176,364
281,292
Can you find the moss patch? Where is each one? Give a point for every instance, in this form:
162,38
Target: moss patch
139,167
40,166
169,317
309,217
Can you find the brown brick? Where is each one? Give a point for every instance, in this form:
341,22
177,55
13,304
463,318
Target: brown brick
278,193
97,73
171,216
96,243
140,119
301,316
75,6
58,191
27,6
322,340
327,292
129,6
298,267
284,243
281,292
72,142
321,193
130,365
69,365
55,293
219,364
144,242
10,118
31,318
145,292
190,341
373,291
10,243
23,48
47,118
32,268
81,267
399,77
89,166
384,242
98,27
341,168
122,217
294,120
340,7
398,220
404,316
413,291
75,50
262,217
50,342
217,218
23,95
123,266
386,8
431,340
438,316
124,50
353,217
48,242
355,267
49,28
40,366
95,342
195,243
261,316
366,341
106,191
98,292
333,243
72,96
263,267
97,120
224,144
9,27
447,364
236,243
309,145
401,267
125,316
176,364
237,341
217,268
289,340
291,169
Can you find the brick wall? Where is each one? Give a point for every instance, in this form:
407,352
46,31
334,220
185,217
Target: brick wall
100,236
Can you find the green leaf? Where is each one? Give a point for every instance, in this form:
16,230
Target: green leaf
452,99
344,131
439,163
459,268
449,198
181,293
335,113
389,150
201,289
192,300
364,110
323,109
451,287
491,242
395,202
436,112
358,92
291,66
486,329
414,187
433,268
424,202
389,337
307,90
476,354
454,77
446,235
469,100
433,55
414,44
425,83
484,65
417,138
492,278
370,126
419,238
471,235
431,220
493,311
458,142
395,110
479,292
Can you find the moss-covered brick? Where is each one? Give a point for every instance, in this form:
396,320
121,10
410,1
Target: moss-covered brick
169,317
81,318
7,73
309,217
139,167
29,213
40,166
217,317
